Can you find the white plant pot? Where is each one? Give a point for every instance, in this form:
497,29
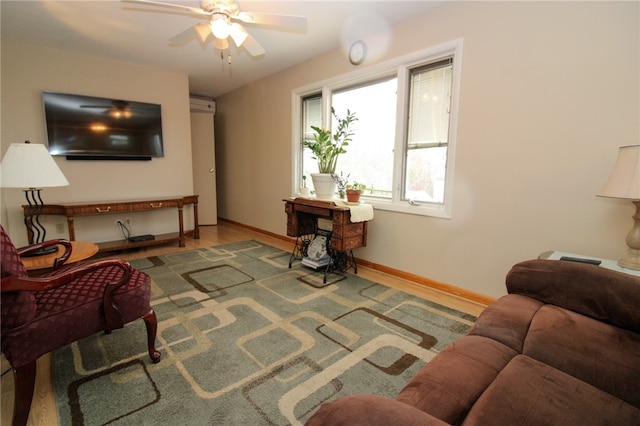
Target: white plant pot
304,191
324,184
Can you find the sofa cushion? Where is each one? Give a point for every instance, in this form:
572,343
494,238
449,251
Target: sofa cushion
452,381
507,320
600,293
528,392
370,410
605,356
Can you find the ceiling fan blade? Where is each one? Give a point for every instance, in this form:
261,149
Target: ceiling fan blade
193,10
253,47
238,34
290,21
182,38
203,31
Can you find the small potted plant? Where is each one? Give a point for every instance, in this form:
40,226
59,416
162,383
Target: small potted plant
304,190
354,190
326,147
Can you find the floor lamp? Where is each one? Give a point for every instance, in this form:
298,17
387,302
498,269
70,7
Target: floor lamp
30,166
625,183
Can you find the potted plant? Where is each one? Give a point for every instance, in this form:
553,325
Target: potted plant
354,190
326,147
304,190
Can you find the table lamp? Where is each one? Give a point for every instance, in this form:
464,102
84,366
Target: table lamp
31,167
624,183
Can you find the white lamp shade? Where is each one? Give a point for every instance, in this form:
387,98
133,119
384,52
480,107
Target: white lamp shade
29,165
624,182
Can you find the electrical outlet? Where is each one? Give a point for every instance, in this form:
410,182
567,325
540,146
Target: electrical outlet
60,228
121,223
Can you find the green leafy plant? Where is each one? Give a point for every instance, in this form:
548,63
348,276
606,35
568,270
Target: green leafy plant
326,147
357,186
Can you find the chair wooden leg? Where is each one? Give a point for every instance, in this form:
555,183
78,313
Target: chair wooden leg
24,383
151,322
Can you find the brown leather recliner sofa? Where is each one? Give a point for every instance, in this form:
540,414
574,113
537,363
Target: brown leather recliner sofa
562,348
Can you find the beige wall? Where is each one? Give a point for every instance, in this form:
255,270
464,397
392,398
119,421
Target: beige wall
29,70
549,92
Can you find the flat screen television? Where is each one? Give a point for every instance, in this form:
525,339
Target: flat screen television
91,128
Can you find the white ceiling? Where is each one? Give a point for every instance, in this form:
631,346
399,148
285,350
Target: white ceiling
140,34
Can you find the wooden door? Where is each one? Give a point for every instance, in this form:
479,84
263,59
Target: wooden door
204,166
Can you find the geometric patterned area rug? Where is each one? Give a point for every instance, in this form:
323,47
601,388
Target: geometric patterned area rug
247,341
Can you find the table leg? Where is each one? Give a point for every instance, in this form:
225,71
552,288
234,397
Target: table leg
181,226
196,229
72,229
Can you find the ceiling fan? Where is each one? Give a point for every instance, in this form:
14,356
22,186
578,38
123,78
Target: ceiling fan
222,22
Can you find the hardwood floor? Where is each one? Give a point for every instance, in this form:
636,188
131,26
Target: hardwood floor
43,410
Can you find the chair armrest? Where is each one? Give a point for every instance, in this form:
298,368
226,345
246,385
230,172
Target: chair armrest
603,294
26,283
112,315
33,248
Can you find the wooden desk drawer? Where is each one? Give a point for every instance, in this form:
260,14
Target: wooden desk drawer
94,209
341,217
317,211
348,243
350,230
155,204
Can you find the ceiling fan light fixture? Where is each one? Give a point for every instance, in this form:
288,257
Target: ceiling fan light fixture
120,113
219,16
220,44
220,26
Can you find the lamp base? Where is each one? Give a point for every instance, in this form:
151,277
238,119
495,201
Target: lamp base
632,261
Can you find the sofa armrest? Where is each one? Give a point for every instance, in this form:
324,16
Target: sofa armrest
603,294
370,410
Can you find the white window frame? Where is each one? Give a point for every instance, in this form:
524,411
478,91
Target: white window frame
399,67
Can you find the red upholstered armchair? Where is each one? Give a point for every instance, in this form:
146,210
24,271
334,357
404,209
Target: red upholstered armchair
42,314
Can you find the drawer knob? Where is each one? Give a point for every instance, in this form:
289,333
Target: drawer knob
107,210
156,206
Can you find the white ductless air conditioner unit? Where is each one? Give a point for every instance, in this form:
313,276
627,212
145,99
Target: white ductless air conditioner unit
202,105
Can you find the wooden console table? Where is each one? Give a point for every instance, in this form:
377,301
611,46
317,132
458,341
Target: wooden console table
302,220
120,207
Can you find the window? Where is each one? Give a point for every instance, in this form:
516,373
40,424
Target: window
427,132
369,158
403,148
